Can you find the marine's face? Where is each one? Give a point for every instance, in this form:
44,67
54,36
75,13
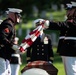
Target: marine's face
17,18
71,13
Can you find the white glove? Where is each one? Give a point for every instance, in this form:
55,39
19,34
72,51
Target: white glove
38,21
46,24
15,47
19,52
42,21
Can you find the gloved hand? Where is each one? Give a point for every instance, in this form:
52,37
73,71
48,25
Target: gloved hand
19,52
38,22
15,47
42,21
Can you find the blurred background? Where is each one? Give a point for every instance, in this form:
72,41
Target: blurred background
34,9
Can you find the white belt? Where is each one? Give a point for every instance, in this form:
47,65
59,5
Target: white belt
16,55
70,38
61,37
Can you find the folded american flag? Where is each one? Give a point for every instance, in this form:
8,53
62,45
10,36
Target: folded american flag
30,38
36,63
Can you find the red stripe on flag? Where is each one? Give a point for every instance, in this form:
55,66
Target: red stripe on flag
33,32
37,33
28,41
21,49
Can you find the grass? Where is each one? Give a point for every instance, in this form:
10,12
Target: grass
57,16
58,63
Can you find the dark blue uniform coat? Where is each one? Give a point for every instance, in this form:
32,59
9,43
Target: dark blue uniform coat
41,49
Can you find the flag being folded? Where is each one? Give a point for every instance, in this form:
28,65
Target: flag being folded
30,38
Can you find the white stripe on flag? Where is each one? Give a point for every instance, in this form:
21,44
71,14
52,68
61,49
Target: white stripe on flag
33,36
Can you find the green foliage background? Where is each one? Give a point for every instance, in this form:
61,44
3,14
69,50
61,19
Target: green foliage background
27,5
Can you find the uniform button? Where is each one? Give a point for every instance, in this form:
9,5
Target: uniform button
37,53
42,53
42,45
38,49
42,49
66,31
37,45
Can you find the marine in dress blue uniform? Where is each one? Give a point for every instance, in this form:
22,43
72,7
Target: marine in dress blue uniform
7,35
69,42
63,31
